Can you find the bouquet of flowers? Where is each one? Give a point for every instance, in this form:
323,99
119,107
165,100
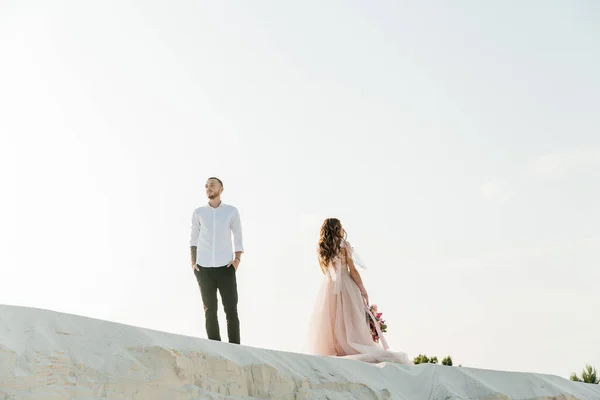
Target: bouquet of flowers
378,320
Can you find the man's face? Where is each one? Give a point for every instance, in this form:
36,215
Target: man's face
213,189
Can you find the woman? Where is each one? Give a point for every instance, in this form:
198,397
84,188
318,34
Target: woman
339,325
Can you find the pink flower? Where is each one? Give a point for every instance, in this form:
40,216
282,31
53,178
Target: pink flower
376,323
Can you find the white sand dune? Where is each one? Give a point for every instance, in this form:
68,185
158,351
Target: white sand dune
50,355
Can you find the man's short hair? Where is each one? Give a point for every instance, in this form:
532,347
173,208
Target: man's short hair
215,178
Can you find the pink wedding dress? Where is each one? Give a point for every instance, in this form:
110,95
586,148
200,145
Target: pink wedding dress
339,325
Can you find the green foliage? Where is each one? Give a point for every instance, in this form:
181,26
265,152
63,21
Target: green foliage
588,375
423,359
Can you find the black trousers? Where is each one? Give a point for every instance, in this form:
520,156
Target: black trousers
224,280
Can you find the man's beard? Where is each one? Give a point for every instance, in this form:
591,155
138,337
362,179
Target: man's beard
213,196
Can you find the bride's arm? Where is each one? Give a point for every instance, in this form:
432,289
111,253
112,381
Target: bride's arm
355,275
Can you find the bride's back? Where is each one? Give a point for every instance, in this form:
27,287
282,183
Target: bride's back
336,260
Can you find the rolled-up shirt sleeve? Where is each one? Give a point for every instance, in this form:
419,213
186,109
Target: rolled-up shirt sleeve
195,230
236,228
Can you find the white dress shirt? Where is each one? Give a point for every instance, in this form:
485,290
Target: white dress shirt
211,233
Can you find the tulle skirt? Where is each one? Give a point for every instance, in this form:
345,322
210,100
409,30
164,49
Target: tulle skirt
339,326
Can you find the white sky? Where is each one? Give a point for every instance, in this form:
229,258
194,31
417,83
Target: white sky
459,145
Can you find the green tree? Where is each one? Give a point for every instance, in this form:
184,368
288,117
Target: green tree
447,361
588,375
423,359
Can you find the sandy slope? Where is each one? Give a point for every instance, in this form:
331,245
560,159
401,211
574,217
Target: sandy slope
50,355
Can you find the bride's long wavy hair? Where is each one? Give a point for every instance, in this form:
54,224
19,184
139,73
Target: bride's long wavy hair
329,241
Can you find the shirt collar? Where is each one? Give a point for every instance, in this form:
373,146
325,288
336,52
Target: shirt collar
219,206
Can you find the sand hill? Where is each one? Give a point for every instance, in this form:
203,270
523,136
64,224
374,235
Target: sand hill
51,355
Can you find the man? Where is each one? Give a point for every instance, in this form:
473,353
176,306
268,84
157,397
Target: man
213,259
